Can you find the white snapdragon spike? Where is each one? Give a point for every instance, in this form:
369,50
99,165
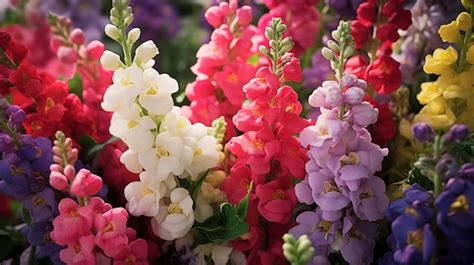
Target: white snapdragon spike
169,155
156,95
144,196
130,160
133,129
127,85
205,156
174,220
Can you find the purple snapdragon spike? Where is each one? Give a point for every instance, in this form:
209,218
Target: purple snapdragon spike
456,215
25,170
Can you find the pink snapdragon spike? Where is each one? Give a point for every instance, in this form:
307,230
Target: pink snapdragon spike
91,230
301,18
224,65
268,153
83,58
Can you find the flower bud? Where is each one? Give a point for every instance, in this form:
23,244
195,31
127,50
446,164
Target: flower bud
6,143
67,55
86,184
423,132
133,35
349,80
327,53
364,114
113,32
15,114
110,61
456,133
145,52
354,95
58,181
77,37
244,15
94,50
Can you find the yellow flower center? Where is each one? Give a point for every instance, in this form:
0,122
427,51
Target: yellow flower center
37,200
126,81
146,191
130,260
198,151
175,208
460,204
49,104
153,90
14,170
415,238
132,124
162,152
350,159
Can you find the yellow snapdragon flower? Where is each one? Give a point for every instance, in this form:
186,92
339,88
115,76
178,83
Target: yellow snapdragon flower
464,21
440,62
437,113
470,54
450,32
456,85
429,91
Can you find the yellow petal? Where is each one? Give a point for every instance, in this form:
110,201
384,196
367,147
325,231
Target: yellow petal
450,32
464,21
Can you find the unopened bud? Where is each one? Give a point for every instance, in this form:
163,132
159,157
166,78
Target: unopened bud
112,32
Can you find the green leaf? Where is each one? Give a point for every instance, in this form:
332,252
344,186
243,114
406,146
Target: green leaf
75,85
253,60
227,224
223,226
242,207
26,216
97,147
195,188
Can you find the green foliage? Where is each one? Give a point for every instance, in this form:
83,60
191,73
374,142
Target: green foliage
75,85
226,224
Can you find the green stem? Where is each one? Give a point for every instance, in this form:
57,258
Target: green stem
339,74
32,257
10,62
126,50
4,126
437,182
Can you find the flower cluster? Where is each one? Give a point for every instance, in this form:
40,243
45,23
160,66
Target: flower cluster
421,37
25,169
420,213
163,145
301,18
48,103
449,99
267,153
414,241
88,224
224,65
71,48
375,30
343,161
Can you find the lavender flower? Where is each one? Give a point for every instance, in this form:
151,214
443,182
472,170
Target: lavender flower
421,38
156,18
320,71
